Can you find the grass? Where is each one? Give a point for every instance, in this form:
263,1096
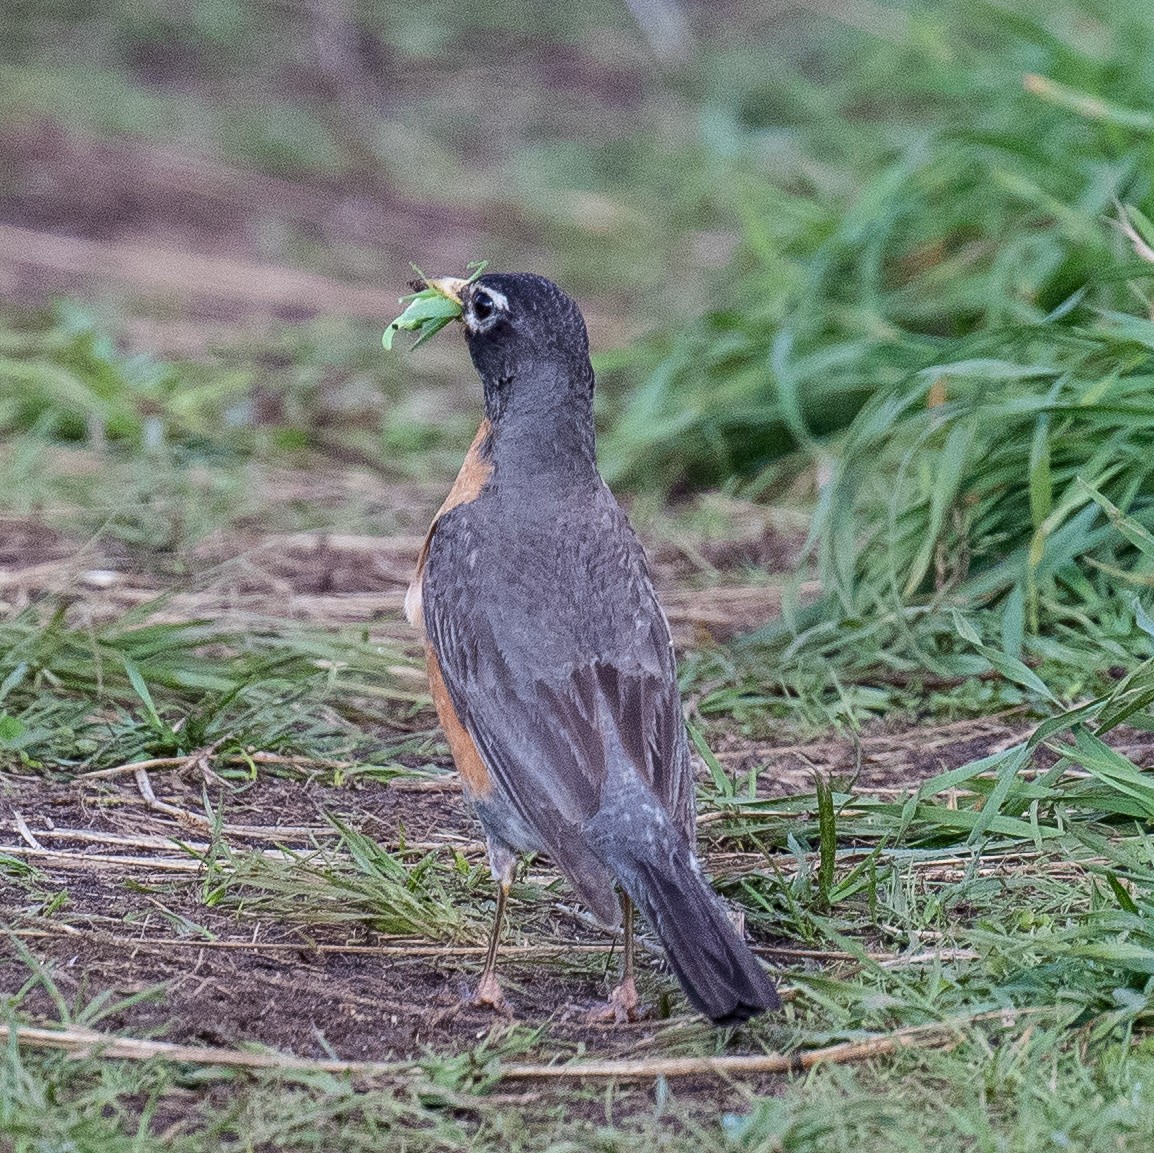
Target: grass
946,174
1009,1102
933,310
82,697
837,1112
200,421
1010,895
355,881
928,311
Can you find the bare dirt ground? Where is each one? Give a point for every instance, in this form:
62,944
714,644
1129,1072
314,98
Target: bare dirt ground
125,851
136,890
81,214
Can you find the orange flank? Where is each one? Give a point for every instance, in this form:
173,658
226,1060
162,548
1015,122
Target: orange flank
474,475
465,756
476,469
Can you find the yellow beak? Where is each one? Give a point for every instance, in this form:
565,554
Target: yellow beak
450,287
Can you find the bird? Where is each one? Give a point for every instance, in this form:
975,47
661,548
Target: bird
551,664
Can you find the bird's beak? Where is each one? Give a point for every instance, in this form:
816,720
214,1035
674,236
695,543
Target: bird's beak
450,287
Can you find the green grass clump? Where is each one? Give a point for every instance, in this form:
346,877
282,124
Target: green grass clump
66,379
76,697
1011,483
949,176
62,375
995,482
358,882
1031,1096
942,307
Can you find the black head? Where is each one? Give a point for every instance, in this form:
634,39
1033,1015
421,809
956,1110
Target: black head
511,315
528,342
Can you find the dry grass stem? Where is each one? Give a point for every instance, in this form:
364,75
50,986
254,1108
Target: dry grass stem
88,1043
938,1035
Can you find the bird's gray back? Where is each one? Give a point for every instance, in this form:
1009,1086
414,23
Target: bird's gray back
561,582
547,602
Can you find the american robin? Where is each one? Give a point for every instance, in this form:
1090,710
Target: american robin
551,663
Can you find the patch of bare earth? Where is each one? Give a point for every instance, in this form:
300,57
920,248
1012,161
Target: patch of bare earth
135,889
83,213
126,871
128,850
346,578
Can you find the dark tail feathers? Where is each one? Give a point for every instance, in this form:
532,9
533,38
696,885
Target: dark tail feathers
719,974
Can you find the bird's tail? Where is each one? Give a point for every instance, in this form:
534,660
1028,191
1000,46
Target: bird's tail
720,975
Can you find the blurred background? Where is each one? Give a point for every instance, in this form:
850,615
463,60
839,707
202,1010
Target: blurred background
869,286
891,250
203,180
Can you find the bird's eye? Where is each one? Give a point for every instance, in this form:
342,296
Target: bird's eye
483,304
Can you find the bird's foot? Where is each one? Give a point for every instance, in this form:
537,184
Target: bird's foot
623,1006
488,995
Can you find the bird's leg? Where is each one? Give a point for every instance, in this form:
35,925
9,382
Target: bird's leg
623,999
489,988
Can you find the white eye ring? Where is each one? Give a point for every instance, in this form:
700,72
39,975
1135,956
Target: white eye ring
483,305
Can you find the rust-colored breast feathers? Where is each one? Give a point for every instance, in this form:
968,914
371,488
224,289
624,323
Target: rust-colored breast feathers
465,755
474,475
476,469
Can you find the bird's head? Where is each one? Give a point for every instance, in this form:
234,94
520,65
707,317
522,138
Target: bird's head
527,338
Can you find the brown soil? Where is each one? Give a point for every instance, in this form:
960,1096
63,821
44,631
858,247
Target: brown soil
300,985
78,213
348,578
289,984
